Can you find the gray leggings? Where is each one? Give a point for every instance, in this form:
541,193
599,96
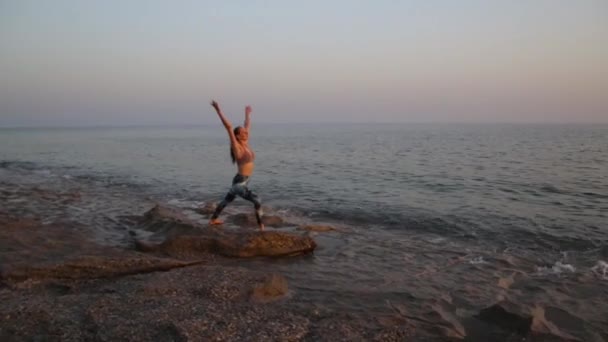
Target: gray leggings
239,188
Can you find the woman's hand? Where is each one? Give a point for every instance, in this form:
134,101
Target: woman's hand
248,110
215,105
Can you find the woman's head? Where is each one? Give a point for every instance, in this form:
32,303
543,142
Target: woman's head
241,133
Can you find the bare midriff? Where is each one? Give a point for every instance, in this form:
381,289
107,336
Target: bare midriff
246,169
245,161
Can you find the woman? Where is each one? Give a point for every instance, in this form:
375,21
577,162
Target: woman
243,156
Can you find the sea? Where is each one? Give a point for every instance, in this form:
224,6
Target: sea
439,220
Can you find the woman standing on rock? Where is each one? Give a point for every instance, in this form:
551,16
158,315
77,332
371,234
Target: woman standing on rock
243,156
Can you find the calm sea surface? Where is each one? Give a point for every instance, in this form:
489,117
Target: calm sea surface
425,210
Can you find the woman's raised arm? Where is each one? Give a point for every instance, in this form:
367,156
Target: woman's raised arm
228,125
247,113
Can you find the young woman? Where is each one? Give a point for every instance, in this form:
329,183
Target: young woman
243,156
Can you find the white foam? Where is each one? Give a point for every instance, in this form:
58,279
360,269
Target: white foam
184,203
43,172
600,269
438,239
557,268
174,201
477,260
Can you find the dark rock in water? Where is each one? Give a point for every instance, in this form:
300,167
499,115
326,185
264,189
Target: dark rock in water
274,287
273,221
167,220
504,315
207,209
163,213
234,244
249,220
317,228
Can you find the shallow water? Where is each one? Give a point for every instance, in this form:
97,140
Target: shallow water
435,218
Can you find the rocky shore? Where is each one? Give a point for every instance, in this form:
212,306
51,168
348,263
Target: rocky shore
56,285
184,282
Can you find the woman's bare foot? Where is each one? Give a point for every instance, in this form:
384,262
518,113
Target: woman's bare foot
214,222
262,227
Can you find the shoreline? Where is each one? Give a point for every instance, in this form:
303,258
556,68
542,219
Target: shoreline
58,284
63,287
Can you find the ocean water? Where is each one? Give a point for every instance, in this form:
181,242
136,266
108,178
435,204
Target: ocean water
426,211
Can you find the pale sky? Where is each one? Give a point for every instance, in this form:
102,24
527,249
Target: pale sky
146,62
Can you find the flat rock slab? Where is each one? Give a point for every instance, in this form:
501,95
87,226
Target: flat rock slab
88,267
267,243
243,244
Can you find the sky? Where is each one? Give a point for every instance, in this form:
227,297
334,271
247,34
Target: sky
82,62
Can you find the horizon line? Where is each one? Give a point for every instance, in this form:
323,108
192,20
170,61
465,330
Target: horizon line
182,125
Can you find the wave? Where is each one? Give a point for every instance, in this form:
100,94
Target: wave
72,173
19,165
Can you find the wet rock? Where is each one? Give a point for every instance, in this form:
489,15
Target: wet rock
165,220
29,241
90,267
274,221
185,238
447,323
395,334
395,328
274,287
249,220
207,209
58,288
541,324
234,244
266,243
13,223
180,246
316,228
339,327
64,197
507,316
565,320
506,282
30,325
164,213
